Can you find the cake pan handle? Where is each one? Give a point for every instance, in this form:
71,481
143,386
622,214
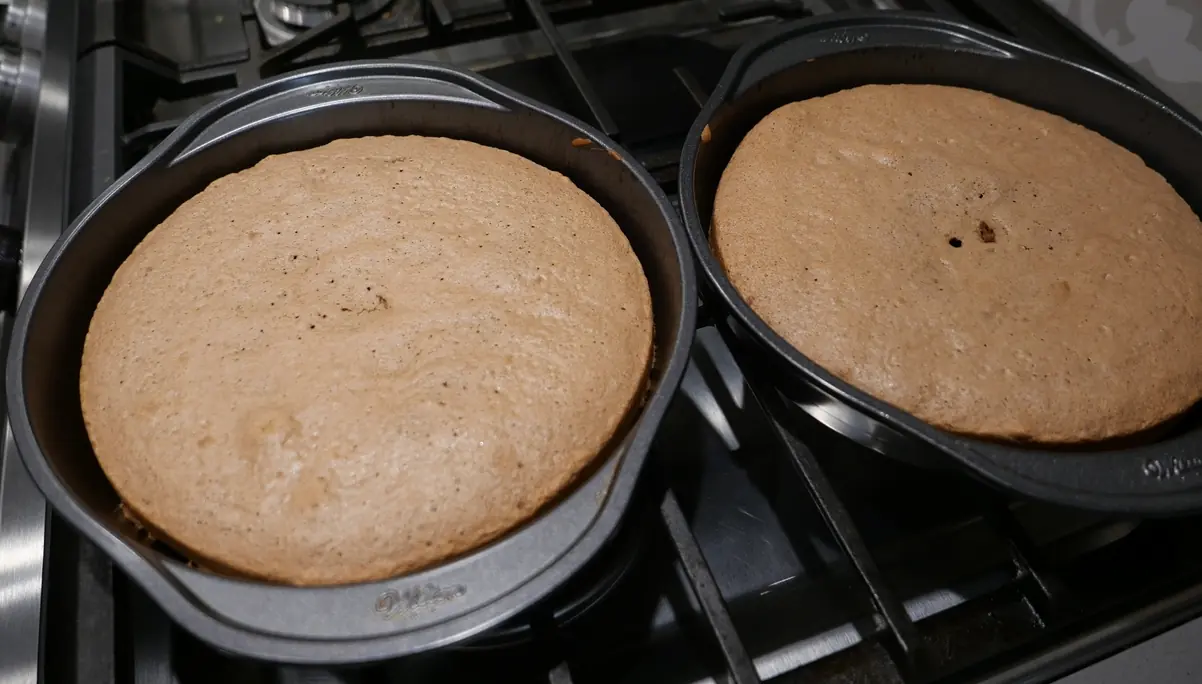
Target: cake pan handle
822,36
1161,478
282,99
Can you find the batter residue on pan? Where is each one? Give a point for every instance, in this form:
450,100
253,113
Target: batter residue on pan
358,360
992,269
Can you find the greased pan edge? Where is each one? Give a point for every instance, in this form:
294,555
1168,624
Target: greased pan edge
377,620
818,56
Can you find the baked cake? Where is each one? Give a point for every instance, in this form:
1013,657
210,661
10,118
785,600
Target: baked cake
992,269
355,361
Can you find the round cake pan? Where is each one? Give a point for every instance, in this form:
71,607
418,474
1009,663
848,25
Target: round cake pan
361,622
817,57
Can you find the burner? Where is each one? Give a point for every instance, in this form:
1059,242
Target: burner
301,14
282,20
305,14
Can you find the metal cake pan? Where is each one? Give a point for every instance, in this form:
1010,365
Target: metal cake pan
369,621
810,58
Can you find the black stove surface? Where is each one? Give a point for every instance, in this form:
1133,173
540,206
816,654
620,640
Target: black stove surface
734,567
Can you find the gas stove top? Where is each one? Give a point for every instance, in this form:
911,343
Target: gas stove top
757,551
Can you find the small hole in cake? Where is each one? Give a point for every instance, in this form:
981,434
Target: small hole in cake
986,233
955,242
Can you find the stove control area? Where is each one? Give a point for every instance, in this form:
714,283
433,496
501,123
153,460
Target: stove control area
22,30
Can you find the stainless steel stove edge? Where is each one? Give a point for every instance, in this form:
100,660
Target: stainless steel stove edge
42,203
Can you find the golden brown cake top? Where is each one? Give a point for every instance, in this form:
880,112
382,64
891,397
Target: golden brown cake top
990,268
355,361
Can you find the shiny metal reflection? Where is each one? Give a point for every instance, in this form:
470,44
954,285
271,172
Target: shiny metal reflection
23,513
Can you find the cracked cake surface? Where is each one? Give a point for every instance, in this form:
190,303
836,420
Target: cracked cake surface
359,360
